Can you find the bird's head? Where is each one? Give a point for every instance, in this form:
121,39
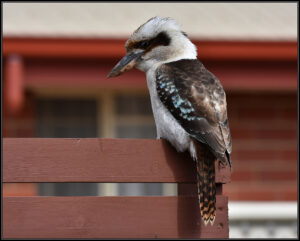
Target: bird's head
159,40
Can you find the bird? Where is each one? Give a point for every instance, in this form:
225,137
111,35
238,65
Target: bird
188,101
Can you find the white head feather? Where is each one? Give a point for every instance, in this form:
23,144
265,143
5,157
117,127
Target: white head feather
154,26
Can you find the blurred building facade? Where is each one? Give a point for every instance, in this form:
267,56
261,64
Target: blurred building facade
56,57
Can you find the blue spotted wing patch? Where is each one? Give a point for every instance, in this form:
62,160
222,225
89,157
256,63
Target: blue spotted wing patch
169,95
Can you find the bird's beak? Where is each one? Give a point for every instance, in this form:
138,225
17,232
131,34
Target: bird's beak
125,64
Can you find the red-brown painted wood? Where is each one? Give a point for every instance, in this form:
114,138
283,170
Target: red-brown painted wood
66,74
114,48
14,84
112,160
97,160
19,189
110,217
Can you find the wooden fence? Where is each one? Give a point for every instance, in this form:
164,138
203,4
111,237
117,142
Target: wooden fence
106,160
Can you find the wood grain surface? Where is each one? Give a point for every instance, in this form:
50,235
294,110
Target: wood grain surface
98,160
110,217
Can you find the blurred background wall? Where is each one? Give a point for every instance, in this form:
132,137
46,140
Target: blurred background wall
56,57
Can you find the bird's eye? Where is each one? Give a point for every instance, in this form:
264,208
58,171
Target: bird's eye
144,44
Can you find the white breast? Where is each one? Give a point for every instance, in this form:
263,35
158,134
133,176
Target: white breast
166,125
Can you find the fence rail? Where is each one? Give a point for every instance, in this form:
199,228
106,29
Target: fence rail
106,160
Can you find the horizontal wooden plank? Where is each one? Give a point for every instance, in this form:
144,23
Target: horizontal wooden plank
110,217
114,48
98,160
61,76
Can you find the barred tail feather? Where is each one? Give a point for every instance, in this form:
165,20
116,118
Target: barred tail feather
212,191
206,182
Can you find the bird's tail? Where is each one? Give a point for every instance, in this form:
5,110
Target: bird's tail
206,182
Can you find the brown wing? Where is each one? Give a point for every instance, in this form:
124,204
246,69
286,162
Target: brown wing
196,98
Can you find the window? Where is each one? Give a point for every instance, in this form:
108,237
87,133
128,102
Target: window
68,118
134,117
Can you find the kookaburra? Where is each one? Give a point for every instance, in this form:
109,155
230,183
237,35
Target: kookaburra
188,101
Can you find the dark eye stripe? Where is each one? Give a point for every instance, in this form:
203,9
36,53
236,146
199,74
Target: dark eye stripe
162,39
